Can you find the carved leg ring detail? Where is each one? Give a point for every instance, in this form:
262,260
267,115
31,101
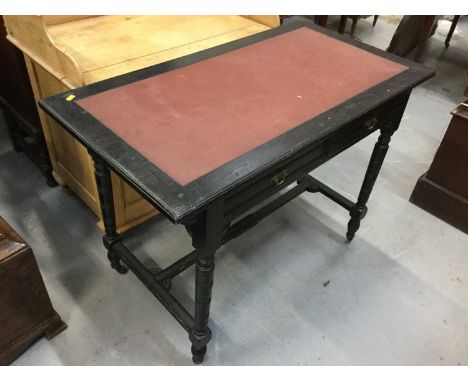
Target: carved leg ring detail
357,214
201,334
104,185
359,210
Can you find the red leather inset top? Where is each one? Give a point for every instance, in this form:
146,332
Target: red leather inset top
194,119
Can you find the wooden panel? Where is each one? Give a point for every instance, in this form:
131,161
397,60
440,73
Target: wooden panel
137,36
166,55
130,195
130,208
71,159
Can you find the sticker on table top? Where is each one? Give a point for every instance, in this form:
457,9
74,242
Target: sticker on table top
71,97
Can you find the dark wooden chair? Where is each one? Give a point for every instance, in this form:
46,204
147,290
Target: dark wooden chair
414,31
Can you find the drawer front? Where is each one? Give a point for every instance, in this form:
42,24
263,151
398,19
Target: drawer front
277,179
353,133
362,127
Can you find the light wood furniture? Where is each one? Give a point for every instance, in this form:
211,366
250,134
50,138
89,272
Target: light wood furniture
66,52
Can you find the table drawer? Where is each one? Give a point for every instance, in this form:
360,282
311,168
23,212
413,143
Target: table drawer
266,186
353,133
363,126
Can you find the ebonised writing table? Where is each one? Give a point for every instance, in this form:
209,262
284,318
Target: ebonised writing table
209,137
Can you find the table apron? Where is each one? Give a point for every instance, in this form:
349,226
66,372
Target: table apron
264,186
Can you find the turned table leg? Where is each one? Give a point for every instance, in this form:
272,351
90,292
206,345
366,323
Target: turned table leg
206,238
201,334
359,210
104,186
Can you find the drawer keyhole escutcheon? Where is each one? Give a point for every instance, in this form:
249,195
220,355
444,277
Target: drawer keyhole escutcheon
279,178
370,124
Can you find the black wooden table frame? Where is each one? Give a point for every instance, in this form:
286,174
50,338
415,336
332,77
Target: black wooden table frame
232,193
